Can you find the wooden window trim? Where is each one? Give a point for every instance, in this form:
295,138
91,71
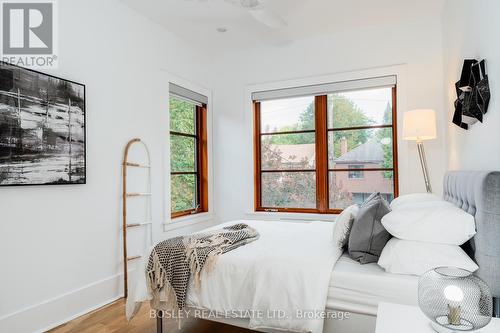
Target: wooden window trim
194,136
288,132
354,128
257,158
322,170
201,168
395,142
361,169
321,116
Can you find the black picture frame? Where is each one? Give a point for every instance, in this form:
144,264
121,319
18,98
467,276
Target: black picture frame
55,140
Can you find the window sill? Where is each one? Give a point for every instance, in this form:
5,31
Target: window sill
186,221
290,217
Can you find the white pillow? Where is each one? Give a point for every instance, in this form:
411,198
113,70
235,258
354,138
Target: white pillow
416,258
413,198
433,222
343,224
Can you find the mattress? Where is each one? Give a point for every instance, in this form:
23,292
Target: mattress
359,288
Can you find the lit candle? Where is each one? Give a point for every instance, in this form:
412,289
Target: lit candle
455,296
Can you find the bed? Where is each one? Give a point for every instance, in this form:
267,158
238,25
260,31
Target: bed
350,286
359,288
287,268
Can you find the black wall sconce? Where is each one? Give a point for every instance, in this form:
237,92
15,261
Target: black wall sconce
473,94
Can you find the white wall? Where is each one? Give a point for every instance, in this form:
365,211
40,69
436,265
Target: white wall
471,31
416,45
63,242
61,245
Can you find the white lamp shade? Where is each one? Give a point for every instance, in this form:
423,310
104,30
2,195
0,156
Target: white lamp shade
419,125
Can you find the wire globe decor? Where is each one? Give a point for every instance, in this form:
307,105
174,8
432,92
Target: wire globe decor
454,300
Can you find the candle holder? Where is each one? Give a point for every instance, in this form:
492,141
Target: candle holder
454,300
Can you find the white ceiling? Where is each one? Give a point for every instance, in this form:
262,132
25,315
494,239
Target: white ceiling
198,20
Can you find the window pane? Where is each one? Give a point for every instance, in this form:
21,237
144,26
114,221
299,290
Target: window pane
288,151
283,115
289,189
370,148
182,153
183,192
356,174
182,116
360,108
345,191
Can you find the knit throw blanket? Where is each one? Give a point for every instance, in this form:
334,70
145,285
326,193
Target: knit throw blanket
174,261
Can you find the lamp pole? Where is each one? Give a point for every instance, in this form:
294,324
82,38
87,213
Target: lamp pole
423,163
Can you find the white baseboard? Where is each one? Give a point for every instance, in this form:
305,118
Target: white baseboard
63,308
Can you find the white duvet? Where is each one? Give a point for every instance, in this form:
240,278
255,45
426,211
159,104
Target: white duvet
279,281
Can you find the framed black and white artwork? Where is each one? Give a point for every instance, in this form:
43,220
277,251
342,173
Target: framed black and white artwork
42,128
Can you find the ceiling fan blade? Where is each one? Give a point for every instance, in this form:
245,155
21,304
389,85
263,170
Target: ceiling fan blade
268,17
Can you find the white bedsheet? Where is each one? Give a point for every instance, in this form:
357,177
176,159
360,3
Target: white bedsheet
287,269
359,288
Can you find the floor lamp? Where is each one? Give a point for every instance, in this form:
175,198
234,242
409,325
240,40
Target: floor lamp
420,125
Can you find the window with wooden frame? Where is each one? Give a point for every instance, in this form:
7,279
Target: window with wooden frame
188,152
319,149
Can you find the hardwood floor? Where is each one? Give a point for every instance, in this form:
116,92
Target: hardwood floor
111,319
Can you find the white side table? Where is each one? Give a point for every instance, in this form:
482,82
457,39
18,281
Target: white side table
409,319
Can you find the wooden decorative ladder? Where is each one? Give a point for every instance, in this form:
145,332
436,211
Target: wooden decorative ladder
147,222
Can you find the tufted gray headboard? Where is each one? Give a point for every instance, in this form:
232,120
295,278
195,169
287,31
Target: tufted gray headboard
478,193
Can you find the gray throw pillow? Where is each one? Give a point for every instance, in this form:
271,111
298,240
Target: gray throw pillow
368,236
